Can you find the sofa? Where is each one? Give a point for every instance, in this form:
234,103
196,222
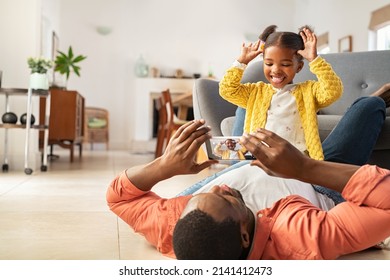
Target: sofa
361,72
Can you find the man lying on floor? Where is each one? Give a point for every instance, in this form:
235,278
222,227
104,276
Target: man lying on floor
293,227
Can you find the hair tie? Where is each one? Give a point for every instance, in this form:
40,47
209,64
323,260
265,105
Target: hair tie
262,44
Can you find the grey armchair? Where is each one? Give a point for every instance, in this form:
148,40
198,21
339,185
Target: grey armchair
361,72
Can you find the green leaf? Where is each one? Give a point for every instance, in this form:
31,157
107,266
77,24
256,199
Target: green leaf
39,65
79,58
70,53
67,63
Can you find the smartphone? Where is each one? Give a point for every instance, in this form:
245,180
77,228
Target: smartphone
227,148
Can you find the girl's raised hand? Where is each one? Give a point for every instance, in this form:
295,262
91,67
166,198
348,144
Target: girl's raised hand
310,42
249,52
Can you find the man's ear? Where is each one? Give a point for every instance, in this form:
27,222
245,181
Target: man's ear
245,237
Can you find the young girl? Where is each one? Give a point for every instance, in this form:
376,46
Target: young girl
288,109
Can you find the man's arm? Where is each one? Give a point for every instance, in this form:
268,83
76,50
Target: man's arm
129,195
179,157
278,157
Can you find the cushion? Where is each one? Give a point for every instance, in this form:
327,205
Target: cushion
227,126
97,123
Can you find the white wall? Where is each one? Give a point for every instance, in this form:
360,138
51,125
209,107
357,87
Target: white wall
191,35
20,34
20,39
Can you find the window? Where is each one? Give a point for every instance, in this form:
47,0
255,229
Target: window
383,38
380,27
323,43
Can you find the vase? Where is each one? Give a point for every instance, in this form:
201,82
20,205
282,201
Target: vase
141,68
39,81
59,81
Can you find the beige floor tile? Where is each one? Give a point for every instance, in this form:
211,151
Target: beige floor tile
58,235
58,196
11,180
61,249
133,246
66,203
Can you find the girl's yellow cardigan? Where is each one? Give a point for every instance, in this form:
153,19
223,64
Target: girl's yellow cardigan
310,96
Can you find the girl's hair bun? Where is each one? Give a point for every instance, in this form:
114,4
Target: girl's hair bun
306,26
268,31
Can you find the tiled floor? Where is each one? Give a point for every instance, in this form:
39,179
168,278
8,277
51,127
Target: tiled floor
62,213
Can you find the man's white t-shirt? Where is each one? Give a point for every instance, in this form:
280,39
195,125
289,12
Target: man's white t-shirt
260,190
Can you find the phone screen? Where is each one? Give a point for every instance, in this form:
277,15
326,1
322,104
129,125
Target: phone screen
227,148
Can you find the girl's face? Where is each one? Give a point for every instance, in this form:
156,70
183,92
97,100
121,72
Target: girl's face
280,66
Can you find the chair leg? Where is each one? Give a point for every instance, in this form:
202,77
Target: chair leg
170,132
80,150
168,137
160,143
71,151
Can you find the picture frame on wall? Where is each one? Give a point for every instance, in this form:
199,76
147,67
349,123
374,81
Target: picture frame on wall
345,44
55,44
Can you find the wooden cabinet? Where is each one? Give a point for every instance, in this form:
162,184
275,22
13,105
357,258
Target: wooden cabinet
66,125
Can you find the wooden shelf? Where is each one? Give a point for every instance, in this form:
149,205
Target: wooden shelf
23,91
8,125
43,127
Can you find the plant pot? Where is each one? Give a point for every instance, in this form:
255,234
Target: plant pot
39,81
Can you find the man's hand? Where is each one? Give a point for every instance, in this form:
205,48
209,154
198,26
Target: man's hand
310,42
384,93
275,155
249,52
179,157
180,154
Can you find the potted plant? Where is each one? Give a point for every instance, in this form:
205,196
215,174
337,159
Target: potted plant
66,63
39,67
